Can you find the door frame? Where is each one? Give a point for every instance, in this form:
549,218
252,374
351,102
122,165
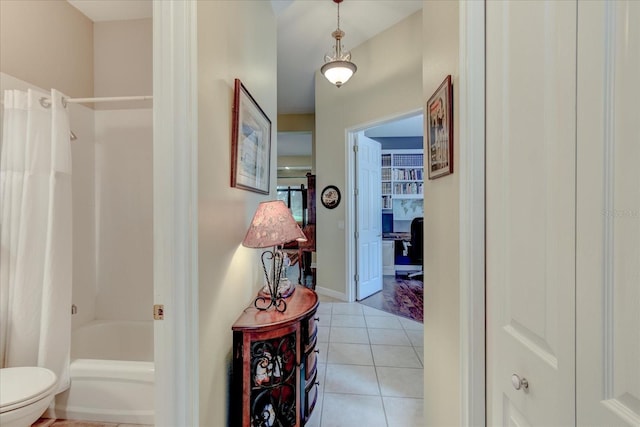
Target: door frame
350,210
175,212
472,213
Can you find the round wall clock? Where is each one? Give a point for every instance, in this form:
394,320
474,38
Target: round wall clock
330,197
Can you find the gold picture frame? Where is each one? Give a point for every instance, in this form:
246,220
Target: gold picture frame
439,119
250,143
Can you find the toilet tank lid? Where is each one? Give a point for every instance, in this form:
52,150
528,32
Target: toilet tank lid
23,385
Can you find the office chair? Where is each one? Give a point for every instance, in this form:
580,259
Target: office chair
416,248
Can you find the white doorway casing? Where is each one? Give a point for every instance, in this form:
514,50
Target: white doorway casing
350,208
175,246
472,212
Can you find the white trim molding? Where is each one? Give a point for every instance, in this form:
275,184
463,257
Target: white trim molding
175,224
472,213
351,181
350,215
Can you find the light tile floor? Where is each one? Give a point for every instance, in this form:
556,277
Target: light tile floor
369,368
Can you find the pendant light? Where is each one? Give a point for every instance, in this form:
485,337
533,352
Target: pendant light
338,67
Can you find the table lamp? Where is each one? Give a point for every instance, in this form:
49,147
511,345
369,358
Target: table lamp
272,225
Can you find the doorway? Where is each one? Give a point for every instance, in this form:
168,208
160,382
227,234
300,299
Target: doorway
386,264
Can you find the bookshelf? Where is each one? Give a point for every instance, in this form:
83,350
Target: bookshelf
402,175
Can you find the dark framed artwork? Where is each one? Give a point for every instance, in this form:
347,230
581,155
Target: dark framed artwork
250,143
330,197
439,117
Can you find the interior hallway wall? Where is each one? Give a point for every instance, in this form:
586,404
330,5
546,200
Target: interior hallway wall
388,83
441,230
300,123
229,274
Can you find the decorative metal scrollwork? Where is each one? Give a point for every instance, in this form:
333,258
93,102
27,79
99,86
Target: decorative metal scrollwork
273,382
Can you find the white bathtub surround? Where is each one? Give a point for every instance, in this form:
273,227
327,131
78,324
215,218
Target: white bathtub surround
35,261
114,340
124,214
112,374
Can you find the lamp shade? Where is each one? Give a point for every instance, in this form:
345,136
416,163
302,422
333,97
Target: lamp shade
338,72
272,225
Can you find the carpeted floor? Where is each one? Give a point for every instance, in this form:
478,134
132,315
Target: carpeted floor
399,296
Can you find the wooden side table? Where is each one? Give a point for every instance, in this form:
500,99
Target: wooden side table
275,364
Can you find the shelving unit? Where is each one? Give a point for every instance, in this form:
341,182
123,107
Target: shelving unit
402,175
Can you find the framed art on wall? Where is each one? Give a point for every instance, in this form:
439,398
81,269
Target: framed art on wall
439,117
250,143
330,197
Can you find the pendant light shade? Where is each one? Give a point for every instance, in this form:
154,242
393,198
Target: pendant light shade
338,67
338,72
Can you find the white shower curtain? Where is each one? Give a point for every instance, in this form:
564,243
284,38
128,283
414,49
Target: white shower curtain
35,233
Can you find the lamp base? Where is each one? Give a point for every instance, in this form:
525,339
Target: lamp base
285,289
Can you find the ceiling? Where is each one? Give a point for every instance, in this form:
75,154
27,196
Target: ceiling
304,37
113,10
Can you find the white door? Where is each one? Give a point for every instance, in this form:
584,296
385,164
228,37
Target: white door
608,220
369,217
530,212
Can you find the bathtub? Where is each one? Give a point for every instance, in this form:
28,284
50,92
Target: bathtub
112,373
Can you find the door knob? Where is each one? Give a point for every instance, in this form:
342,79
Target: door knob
519,383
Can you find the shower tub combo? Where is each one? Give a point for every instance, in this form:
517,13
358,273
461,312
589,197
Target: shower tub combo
112,373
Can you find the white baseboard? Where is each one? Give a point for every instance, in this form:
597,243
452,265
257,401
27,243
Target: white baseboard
331,293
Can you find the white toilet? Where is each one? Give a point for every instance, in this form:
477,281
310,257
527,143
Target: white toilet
25,393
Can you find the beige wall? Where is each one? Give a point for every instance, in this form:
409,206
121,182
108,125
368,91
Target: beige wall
48,43
229,274
441,229
299,123
388,83
123,61
296,122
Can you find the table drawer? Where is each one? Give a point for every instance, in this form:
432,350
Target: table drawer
311,363
310,397
311,328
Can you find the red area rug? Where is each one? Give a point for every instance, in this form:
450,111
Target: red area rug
401,297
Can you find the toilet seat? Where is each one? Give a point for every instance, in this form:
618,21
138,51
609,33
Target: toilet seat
23,386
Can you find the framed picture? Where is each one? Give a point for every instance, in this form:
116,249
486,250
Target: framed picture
330,197
439,117
250,143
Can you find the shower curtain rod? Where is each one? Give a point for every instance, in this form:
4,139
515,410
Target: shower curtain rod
47,103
